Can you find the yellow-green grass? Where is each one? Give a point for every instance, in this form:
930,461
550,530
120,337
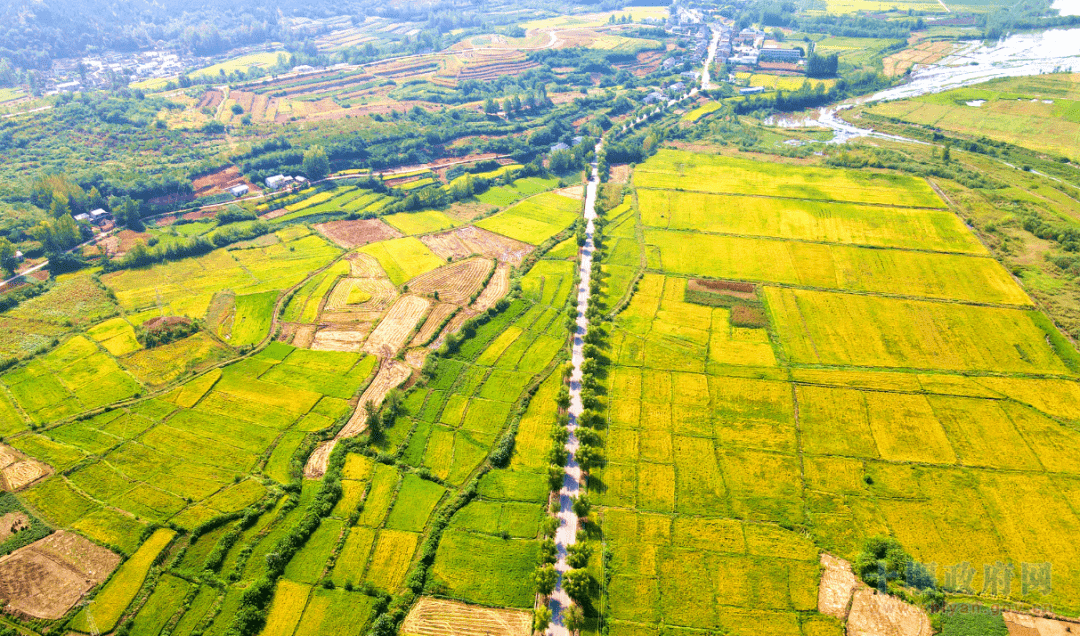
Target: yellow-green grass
306,302
534,220
264,60
842,267
817,327
677,170
486,569
251,322
391,557
1041,114
935,230
549,282
701,111
416,499
404,258
787,83
193,391
110,603
168,595
336,613
117,336
308,563
74,377
167,363
352,560
425,222
287,607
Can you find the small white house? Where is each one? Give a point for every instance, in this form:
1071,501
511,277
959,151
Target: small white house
239,190
82,218
276,181
300,180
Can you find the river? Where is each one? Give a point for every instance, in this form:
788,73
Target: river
971,63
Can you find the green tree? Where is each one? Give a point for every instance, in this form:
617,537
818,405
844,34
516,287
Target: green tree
577,582
372,420
7,257
490,107
545,578
574,618
588,457
582,506
316,165
126,212
541,618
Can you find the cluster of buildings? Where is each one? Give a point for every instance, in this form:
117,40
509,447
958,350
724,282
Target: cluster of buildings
103,71
97,217
751,47
275,182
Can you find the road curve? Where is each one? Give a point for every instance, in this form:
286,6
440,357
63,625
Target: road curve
566,535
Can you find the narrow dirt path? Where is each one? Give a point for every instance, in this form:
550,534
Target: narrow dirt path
566,535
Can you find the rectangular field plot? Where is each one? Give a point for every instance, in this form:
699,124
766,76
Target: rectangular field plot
485,569
404,258
946,276
842,329
534,220
676,170
934,230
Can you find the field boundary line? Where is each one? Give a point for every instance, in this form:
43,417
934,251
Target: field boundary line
774,196
855,292
643,262
784,239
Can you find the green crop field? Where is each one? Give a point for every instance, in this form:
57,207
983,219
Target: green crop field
403,259
676,170
854,224
534,220
842,267
413,223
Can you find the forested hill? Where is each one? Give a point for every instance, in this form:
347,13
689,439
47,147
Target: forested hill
36,31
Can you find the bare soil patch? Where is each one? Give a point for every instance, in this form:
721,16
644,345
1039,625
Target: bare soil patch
576,192
18,471
46,578
13,523
128,239
619,173
304,336
837,585
438,617
874,614
465,241
433,323
350,234
496,288
415,357
394,330
339,338
220,181
1027,625
454,283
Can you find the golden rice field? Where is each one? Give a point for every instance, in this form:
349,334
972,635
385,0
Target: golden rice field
678,170
903,385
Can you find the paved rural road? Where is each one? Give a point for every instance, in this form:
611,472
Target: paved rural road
566,535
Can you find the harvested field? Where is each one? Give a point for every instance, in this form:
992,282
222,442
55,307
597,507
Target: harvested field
469,240
496,289
454,283
452,326
395,328
220,181
13,523
18,471
415,357
576,192
434,321
350,234
838,583
1025,625
46,578
745,291
339,339
304,336
438,617
391,374
874,614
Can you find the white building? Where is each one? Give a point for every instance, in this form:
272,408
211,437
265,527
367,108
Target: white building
239,190
276,181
